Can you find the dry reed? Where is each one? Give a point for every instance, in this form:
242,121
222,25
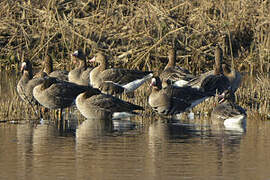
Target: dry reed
137,34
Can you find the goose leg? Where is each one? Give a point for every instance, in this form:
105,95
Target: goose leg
61,122
61,115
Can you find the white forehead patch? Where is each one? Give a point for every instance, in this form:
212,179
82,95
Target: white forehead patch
23,64
153,81
76,53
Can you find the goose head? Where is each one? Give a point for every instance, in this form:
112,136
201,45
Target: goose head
156,83
78,55
26,68
101,60
98,58
227,95
228,71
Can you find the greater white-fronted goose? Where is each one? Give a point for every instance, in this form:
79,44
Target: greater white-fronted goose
57,94
79,75
169,100
216,82
232,75
227,112
27,83
115,80
47,67
103,106
197,81
176,74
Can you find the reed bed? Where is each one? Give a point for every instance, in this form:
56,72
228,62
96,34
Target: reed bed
137,35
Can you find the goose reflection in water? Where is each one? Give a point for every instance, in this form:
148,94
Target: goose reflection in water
97,128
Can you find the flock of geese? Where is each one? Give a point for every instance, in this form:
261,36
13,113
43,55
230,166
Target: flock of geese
97,91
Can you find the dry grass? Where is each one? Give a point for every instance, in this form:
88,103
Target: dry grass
254,95
137,34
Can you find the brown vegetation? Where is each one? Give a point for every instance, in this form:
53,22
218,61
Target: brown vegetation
137,34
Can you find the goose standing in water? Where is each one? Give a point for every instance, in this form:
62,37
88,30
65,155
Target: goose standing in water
227,112
79,75
176,74
115,80
103,106
169,100
27,83
56,94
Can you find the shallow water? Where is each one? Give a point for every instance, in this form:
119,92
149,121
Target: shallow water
129,149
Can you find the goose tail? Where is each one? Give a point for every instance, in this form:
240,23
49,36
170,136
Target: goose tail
121,115
137,83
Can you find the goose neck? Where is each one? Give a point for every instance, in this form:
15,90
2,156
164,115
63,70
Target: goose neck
172,59
27,75
218,61
48,68
82,64
102,65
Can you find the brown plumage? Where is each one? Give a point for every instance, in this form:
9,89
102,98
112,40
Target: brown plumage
27,83
168,100
80,75
230,73
56,94
227,112
216,82
114,80
233,75
102,106
173,73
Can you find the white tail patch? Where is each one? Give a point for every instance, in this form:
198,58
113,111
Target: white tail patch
191,115
180,83
76,53
237,125
236,120
137,83
236,128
